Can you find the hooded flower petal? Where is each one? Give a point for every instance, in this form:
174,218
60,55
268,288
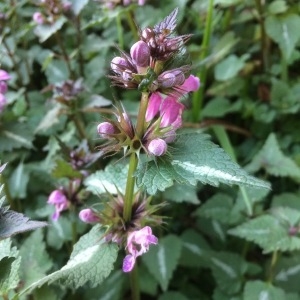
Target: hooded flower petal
191,84
154,104
171,111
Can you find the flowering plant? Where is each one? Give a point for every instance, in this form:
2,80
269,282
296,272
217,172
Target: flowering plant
111,122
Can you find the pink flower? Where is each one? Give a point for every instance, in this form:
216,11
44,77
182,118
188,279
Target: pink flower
191,84
38,18
171,111
138,243
88,216
153,106
60,202
4,75
3,87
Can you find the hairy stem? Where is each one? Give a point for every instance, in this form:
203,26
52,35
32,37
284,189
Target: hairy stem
130,188
227,146
134,280
198,96
141,115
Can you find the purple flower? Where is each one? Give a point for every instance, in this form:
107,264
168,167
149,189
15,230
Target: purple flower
4,75
138,243
2,102
60,202
88,216
157,147
38,18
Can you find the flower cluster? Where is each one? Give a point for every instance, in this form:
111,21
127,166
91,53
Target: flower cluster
63,198
150,67
4,76
51,10
138,243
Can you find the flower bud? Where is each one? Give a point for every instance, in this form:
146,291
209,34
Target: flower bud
3,87
157,147
4,75
88,216
169,79
140,53
119,64
105,129
141,2
38,18
2,102
128,263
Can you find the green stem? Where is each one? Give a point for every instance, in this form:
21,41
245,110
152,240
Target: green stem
274,260
141,115
198,96
130,188
130,20
134,284
264,38
79,41
224,140
120,31
64,53
74,233
80,128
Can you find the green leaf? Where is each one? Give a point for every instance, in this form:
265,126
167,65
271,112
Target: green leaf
287,273
182,193
172,296
11,279
78,5
271,158
57,71
218,207
50,119
64,169
284,31
112,179
35,260
12,223
262,290
277,7
194,158
229,67
91,261
14,136
6,268
287,199
228,270
18,181
195,250
162,259
270,233
218,107
44,31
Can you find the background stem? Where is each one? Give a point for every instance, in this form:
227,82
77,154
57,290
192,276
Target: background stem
224,140
198,96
